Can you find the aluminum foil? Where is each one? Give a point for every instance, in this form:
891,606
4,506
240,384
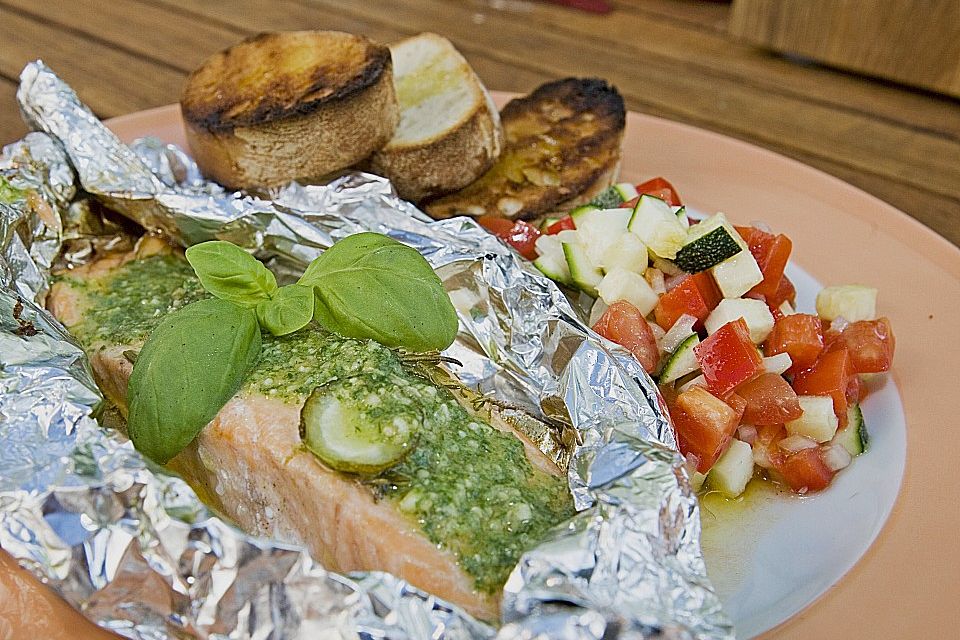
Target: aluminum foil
136,552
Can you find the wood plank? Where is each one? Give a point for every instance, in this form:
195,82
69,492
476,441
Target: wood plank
674,89
716,54
11,125
144,29
912,41
709,15
109,80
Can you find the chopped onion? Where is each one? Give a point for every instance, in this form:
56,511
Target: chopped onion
763,226
670,282
692,462
655,278
699,381
778,363
747,433
598,309
680,331
836,457
838,324
786,308
761,457
657,331
796,442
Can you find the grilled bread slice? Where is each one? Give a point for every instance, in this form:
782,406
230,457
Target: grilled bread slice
449,131
562,148
288,105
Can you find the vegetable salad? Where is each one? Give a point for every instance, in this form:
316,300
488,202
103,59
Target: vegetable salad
753,386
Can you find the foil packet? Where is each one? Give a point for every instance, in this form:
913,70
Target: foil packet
135,550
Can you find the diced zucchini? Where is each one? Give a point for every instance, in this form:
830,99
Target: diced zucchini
818,421
549,220
627,251
615,195
578,213
682,217
733,470
655,223
584,273
754,312
681,362
708,243
346,438
620,284
737,275
853,437
852,302
680,331
599,229
552,262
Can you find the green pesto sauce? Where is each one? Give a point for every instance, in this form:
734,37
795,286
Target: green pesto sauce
126,305
469,486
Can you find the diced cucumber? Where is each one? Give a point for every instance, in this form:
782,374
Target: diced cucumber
584,273
818,421
708,243
599,229
346,438
620,284
852,302
615,195
737,275
853,437
681,362
680,331
733,470
754,312
551,262
655,223
627,251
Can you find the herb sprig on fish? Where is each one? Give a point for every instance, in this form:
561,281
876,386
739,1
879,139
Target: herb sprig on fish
366,286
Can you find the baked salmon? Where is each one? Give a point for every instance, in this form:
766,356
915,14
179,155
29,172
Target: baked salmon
452,517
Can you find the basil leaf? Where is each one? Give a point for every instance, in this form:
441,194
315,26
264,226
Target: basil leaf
191,365
371,286
230,273
289,309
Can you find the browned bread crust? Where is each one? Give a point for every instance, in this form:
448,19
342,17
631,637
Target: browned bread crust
280,106
562,143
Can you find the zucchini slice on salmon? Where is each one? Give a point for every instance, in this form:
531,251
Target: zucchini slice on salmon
394,472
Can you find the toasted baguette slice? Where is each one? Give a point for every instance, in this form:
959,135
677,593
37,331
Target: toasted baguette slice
562,148
281,106
449,131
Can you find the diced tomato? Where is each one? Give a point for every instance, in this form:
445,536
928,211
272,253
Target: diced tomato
870,343
737,403
563,224
520,235
799,335
660,188
772,252
696,295
630,204
624,324
769,399
829,376
785,292
728,357
704,425
767,444
805,471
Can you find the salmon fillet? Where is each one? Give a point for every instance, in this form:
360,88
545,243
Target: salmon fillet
448,520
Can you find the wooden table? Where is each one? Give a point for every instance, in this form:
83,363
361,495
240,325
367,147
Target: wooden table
670,58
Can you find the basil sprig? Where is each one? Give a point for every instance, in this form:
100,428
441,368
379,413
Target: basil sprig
365,286
191,365
371,286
